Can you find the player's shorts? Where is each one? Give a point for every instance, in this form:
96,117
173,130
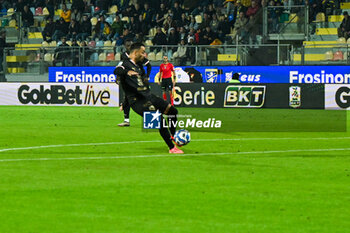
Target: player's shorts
167,84
154,103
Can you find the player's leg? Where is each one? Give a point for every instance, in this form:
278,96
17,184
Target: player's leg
170,90
157,103
168,110
126,110
163,86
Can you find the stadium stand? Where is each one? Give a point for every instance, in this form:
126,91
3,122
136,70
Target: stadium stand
287,23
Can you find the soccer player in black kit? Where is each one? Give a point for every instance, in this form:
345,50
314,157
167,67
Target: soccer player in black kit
125,105
131,76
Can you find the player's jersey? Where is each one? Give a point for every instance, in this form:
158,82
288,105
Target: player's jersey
125,56
133,86
166,70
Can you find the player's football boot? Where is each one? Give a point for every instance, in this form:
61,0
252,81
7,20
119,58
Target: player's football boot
173,139
124,124
175,150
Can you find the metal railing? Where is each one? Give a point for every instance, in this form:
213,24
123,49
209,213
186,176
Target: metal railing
36,60
321,54
287,22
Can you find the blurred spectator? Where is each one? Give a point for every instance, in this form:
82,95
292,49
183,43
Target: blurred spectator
180,57
61,29
206,21
328,8
62,53
125,36
129,11
117,27
314,7
238,8
142,26
191,50
133,25
66,13
223,28
198,37
78,5
253,9
107,31
122,4
49,29
160,16
27,17
191,33
344,28
197,11
239,25
138,10
173,39
159,38
50,5
169,23
195,75
193,24
99,28
183,22
230,5
85,29
75,53
182,34
235,78
214,24
177,11
210,11
73,30
138,38
272,17
208,35
19,6
76,15
249,31
86,52
147,14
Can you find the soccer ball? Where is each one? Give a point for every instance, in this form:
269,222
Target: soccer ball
182,137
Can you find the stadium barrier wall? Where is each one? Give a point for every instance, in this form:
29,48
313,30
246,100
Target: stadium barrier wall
64,94
337,97
216,74
222,95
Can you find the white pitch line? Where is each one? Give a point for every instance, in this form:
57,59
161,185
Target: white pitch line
175,155
131,142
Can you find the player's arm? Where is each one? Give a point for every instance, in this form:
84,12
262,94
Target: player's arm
120,70
173,76
160,75
149,67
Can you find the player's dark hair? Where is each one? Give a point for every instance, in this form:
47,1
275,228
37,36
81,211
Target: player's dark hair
136,46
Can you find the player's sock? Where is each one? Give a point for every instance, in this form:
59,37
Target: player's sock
126,120
126,110
164,96
172,117
171,99
166,135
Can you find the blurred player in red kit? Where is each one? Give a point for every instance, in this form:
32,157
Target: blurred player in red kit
167,79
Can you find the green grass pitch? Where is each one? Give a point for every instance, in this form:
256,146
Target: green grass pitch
84,174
